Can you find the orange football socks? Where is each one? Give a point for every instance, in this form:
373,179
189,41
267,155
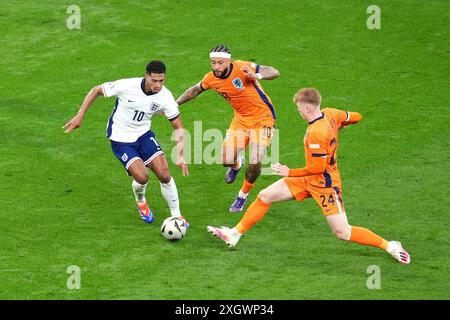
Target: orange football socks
366,237
247,186
254,213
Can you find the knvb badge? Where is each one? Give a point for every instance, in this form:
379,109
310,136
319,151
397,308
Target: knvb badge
237,82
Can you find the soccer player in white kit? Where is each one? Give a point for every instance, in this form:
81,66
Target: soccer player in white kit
132,141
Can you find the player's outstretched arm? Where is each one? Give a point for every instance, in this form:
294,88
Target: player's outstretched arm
179,138
316,167
190,94
265,72
352,118
76,121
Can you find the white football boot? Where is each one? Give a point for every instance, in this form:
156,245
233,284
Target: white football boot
230,236
396,250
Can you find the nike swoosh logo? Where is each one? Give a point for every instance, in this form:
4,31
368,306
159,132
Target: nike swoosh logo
130,101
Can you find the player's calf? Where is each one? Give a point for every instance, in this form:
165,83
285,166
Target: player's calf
253,172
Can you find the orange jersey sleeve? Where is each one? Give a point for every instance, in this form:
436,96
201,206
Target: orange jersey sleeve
344,118
205,82
317,166
352,118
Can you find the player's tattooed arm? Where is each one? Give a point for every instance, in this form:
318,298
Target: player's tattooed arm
268,73
190,94
265,73
76,121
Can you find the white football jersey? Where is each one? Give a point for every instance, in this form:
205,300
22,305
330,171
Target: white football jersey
134,109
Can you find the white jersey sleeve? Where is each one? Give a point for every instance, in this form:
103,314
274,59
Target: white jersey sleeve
170,108
114,88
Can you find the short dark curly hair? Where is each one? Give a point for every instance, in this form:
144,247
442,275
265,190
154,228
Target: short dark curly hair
221,48
156,66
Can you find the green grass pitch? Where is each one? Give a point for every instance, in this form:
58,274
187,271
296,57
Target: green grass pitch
65,200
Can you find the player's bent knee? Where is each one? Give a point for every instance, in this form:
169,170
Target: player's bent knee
165,177
141,178
264,196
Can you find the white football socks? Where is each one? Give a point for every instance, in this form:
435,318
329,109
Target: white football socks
242,194
139,191
170,193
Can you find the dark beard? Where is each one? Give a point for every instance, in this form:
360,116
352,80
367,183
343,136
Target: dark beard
223,74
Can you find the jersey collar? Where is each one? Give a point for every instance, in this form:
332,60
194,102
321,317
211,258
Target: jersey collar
143,89
318,118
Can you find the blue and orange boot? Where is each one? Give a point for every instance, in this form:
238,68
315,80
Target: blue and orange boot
145,212
185,221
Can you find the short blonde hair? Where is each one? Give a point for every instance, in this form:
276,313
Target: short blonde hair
308,95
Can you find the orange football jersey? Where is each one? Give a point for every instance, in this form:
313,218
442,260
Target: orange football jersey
321,140
252,106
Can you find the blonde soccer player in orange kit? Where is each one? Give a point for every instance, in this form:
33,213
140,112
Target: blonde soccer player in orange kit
319,179
254,114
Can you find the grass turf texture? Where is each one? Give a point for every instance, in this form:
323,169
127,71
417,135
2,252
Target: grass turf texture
65,200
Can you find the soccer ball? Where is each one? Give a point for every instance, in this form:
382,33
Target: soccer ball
173,228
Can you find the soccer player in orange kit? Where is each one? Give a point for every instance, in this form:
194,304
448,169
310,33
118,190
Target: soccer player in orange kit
319,179
254,114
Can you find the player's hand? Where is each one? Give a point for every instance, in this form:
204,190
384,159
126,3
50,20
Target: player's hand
280,170
249,72
183,166
73,123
